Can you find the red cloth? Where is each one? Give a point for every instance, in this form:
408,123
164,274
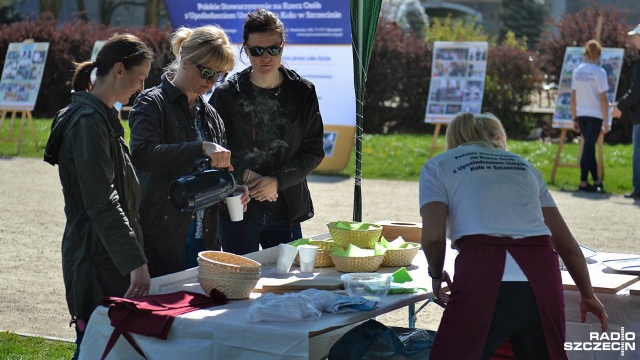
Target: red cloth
153,315
478,274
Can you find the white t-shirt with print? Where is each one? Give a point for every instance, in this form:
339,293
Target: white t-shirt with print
490,192
589,81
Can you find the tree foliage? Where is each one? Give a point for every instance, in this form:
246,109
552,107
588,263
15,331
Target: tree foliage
448,29
397,80
525,18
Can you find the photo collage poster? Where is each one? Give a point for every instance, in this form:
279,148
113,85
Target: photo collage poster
457,79
611,62
22,75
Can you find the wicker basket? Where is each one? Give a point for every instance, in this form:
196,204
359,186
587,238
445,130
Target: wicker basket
364,239
232,288
218,260
351,264
228,274
400,257
323,259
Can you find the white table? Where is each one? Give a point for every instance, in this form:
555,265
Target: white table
222,333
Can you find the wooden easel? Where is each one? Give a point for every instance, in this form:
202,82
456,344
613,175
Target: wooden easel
434,142
599,149
26,117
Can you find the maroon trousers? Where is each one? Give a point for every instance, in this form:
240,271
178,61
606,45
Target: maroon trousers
478,274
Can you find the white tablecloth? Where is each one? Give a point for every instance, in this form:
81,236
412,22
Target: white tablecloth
222,332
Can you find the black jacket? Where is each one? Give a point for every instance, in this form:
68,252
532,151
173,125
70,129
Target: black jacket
276,133
164,148
102,241
630,101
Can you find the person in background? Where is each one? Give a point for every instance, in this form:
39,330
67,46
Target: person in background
500,216
590,111
102,251
630,102
172,127
275,135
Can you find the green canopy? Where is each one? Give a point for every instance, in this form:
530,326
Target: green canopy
364,19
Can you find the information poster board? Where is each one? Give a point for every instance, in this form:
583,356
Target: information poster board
458,72
22,75
611,62
318,47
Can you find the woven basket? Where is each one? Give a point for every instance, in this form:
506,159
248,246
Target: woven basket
228,274
323,259
218,260
400,257
351,264
364,239
232,288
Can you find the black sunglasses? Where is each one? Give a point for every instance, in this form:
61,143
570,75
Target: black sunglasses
257,51
206,73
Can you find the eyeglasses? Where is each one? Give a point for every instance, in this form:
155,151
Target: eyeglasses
206,73
257,51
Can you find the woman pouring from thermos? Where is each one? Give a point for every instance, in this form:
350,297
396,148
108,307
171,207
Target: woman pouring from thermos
172,127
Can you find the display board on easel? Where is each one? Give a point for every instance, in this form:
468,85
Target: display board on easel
611,62
458,72
19,86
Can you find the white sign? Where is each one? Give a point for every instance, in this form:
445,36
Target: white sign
22,75
458,72
610,61
609,341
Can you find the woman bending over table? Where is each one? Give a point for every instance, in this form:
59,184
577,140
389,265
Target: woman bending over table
499,214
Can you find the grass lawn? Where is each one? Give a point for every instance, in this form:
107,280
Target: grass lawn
400,157
16,347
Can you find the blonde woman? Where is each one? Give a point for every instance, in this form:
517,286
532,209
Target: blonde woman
498,213
171,127
590,111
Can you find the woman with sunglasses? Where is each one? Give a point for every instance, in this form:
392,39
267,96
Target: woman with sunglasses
171,127
275,133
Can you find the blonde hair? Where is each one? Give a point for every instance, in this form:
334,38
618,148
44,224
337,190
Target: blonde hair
483,129
592,50
206,45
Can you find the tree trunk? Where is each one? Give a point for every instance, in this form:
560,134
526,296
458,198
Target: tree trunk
151,12
82,10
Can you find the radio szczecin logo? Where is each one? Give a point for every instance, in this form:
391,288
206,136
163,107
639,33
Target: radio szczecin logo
611,341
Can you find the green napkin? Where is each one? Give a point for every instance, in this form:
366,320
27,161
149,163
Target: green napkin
409,245
352,226
379,249
340,251
301,241
401,276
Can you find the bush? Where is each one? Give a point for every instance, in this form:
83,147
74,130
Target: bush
397,80
512,73
73,42
575,30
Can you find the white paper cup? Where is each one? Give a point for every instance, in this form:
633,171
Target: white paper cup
234,204
286,255
308,254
